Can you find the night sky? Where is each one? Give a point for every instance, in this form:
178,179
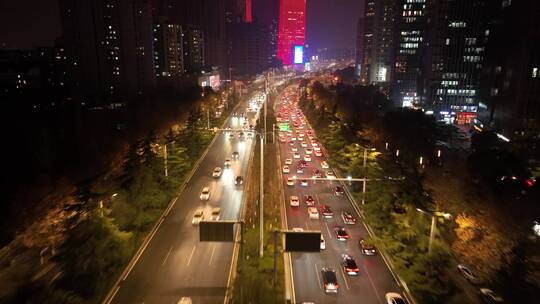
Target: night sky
31,23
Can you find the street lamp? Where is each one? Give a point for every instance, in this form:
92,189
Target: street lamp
433,224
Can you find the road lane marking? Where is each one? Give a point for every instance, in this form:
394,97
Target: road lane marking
318,277
191,255
167,256
328,229
344,278
373,284
212,254
317,202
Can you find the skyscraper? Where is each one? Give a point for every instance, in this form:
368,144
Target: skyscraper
193,47
109,48
168,50
292,28
410,45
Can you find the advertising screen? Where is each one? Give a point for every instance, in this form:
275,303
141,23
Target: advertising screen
298,54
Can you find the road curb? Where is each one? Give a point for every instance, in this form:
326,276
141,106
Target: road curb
129,267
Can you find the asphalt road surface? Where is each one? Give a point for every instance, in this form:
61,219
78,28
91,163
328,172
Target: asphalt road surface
374,279
175,264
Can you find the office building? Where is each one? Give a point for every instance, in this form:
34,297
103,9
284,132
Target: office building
109,48
292,28
193,48
510,82
168,50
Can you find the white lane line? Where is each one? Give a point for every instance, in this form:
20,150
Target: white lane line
191,255
373,285
328,229
317,199
344,278
212,255
318,277
167,256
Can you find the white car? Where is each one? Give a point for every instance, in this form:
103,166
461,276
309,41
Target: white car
216,212
467,273
394,298
290,181
324,165
297,229
318,153
316,148
490,296
330,175
307,158
323,243
217,172
294,201
286,169
309,151
288,161
205,194
313,213
296,155
227,163
293,138
304,144
198,216
304,183
294,149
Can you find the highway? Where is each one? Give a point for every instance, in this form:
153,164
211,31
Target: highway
175,264
374,279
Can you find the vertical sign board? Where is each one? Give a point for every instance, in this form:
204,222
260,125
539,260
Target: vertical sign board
304,241
298,54
213,231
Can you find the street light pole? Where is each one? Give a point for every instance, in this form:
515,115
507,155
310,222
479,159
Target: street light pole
364,191
261,201
432,233
165,160
365,157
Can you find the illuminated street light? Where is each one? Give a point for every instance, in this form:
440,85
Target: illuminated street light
433,224
397,153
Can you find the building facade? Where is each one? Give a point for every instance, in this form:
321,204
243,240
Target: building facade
194,49
109,48
168,50
292,28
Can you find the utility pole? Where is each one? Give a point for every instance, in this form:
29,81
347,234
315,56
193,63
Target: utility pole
208,119
165,160
364,191
261,202
265,102
365,157
432,233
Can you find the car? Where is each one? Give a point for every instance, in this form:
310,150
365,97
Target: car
323,243
307,158
348,218
282,140
338,191
349,265
308,199
299,170
205,194
217,172
286,169
184,300
304,144
394,298
249,135
227,162
290,181
288,161
304,183
366,248
215,214
298,229
235,155
324,165
326,211
294,149
302,163
329,278
309,151
198,216
294,201
330,175
341,233
296,155
239,180
490,297
293,138
318,153
317,173
316,148
313,213
231,136
467,273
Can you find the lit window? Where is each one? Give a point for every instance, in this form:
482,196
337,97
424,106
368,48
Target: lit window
535,73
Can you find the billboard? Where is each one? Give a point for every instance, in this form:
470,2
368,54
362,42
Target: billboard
216,231
298,54
305,241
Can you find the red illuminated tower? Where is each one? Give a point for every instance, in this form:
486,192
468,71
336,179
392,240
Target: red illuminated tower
292,28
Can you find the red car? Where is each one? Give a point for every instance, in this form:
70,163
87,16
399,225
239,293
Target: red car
348,218
338,191
308,199
341,233
326,211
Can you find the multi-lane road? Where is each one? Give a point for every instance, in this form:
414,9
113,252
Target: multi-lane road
175,264
374,279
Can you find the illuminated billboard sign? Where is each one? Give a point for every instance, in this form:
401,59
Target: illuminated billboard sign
298,54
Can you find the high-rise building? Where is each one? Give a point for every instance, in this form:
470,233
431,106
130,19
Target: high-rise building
292,28
168,50
510,82
250,48
109,48
194,50
375,41
454,59
411,32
